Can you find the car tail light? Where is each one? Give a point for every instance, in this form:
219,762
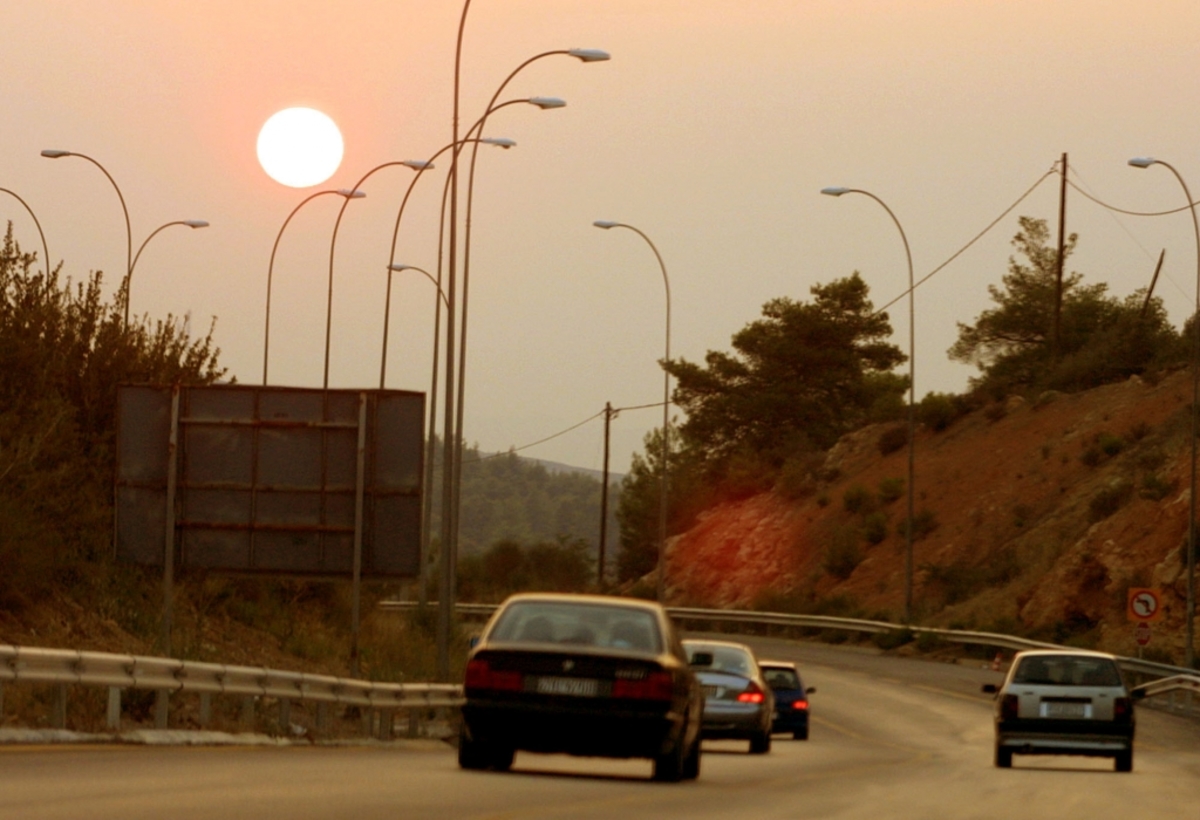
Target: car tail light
800,705
1009,707
752,694
480,675
655,686
1122,709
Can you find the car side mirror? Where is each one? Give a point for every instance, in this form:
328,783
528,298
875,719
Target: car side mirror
810,690
990,689
701,659
1137,694
474,642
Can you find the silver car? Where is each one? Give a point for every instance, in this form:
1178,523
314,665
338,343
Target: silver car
1064,702
738,703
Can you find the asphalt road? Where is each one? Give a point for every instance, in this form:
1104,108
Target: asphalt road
891,738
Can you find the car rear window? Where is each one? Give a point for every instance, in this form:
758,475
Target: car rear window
580,624
1067,670
781,678
725,658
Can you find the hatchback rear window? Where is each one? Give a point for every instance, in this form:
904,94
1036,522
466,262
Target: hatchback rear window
781,678
581,624
1067,670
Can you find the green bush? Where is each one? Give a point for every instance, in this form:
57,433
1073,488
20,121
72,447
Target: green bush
893,439
858,499
937,411
924,522
890,489
892,639
843,555
1110,499
1155,487
875,527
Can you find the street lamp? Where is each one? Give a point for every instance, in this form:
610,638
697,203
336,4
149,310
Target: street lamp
342,192
666,433
51,153
45,250
190,223
1189,648
912,399
387,304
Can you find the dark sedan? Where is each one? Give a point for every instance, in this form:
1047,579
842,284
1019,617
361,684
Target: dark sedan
791,698
583,675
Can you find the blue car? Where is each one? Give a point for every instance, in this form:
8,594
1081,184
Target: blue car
791,698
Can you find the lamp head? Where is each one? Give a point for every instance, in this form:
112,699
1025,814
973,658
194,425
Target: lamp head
605,224
547,102
590,55
349,194
195,223
502,142
1142,162
418,164
398,268
51,153
835,190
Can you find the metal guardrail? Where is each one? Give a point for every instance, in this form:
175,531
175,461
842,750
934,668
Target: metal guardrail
167,675
970,637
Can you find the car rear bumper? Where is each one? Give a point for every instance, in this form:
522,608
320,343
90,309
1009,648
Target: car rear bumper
733,722
790,721
1033,737
598,730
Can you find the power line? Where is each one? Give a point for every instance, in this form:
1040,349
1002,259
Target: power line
562,432
976,238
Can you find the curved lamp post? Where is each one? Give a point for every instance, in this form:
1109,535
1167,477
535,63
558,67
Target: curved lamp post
1190,616
666,434
342,192
387,304
912,396
50,153
45,250
190,223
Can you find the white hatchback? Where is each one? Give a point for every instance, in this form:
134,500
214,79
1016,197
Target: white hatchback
1064,702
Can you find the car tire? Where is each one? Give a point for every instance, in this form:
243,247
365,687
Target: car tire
1003,757
668,768
760,744
691,763
801,734
472,755
1124,761
502,758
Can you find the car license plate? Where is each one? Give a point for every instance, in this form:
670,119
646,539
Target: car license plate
712,691
1057,709
576,687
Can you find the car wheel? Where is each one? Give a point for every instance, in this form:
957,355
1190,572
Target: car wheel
1124,762
502,758
668,768
1003,757
760,744
801,734
471,754
691,763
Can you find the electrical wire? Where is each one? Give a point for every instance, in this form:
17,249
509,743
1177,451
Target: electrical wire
976,238
576,426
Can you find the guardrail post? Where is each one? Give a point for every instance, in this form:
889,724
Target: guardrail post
112,717
368,722
387,724
285,717
1,704
1171,701
322,718
205,709
414,722
58,713
248,713
162,708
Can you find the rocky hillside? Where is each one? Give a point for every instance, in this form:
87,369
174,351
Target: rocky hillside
1032,517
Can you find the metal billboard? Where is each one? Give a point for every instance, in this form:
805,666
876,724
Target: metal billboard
274,480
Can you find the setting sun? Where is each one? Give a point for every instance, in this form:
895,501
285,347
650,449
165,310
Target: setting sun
299,147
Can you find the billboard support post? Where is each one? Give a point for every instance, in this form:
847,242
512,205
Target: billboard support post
361,458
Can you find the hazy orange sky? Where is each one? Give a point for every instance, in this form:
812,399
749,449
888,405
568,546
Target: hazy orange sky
712,129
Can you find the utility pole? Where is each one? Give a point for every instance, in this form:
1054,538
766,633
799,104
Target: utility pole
1062,242
609,415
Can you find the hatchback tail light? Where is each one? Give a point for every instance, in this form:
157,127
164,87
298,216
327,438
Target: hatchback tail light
752,694
1009,707
655,686
800,705
1122,709
481,676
